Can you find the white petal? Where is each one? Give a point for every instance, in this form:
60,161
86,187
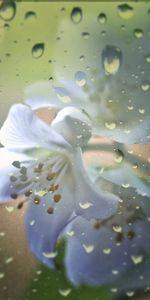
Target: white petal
73,125
23,130
123,175
90,201
42,94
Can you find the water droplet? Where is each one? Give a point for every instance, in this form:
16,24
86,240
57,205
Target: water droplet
115,272
107,251
8,10
88,248
70,233
2,275
130,107
125,11
38,50
147,58
138,33
111,59
110,126
125,185
10,209
86,35
120,156
85,205
145,86
62,95
137,259
64,293
117,228
80,78
130,293
9,260
141,110
76,15
30,15
32,222
102,19
50,254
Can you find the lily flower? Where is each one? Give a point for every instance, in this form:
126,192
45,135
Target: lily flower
44,163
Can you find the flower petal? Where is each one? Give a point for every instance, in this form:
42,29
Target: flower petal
46,221
73,125
94,257
42,94
123,175
23,130
90,201
7,189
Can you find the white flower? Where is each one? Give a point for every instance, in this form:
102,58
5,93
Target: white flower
45,164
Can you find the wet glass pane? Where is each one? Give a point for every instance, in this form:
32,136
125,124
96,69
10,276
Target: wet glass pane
74,150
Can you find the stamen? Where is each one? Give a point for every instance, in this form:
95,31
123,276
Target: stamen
20,205
16,164
36,200
14,196
57,198
51,176
50,210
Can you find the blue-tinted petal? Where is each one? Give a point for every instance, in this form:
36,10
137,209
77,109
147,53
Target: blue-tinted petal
91,202
46,221
97,256
23,130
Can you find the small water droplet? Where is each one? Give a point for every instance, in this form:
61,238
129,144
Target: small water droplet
65,292
147,58
30,15
125,185
107,251
130,293
145,86
110,125
102,19
38,50
62,95
138,33
70,233
88,248
86,35
9,260
85,205
141,110
8,10
2,275
76,15
137,259
111,59
80,78
117,228
125,11
50,254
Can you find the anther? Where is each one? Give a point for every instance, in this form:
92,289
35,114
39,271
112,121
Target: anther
50,210
20,205
36,200
50,176
14,196
57,198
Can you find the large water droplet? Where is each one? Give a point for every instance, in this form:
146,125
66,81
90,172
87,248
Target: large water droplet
145,86
80,78
102,19
38,50
76,15
137,259
62,95
125,11
111,59
8,10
